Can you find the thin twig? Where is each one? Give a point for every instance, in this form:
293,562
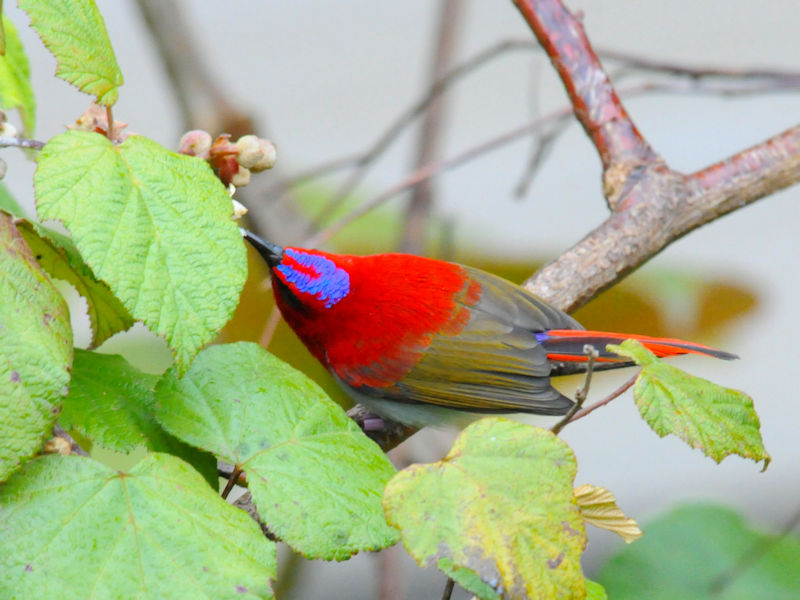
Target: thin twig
17,142
544,144
448,589
421,203
404,119
615,394
270,327
583,391
427,172
231,481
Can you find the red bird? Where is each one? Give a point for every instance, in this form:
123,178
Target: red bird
426,342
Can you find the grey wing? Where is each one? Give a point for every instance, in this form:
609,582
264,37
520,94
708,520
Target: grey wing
495,364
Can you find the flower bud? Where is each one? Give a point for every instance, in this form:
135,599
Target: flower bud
195,143
8,130
255,153
241,178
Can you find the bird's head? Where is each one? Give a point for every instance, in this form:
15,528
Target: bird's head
307,281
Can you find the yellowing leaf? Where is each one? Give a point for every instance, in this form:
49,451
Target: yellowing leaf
57,254
719,421
74,31
497,514
599,507
35,351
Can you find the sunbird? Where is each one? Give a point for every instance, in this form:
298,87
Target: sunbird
428,342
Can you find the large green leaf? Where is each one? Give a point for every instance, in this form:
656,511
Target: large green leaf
316,479
703,552
74,31
15,79
73,528
111,403
719,421
499,506
35,351
154,225
57,254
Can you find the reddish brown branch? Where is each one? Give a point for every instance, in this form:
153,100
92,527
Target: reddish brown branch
594,100
657,206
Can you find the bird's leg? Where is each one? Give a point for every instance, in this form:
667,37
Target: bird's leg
582,392
387,434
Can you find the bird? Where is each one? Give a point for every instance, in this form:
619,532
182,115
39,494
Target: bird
426,342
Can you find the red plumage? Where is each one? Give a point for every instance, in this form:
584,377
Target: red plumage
420,341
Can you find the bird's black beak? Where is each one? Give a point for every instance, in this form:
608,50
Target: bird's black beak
272,253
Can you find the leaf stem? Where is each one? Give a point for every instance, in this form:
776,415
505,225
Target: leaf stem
615,394
237,470
583,391
110,129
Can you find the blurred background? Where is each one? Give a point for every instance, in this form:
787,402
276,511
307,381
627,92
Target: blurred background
325,81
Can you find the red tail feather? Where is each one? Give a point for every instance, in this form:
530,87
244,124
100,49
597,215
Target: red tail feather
567,345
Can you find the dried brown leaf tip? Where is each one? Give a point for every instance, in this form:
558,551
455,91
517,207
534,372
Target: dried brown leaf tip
599,507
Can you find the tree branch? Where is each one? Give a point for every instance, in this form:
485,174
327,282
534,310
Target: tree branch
651,205
657,206
594,100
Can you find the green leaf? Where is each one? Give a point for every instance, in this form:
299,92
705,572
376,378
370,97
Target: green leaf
154,225
9,204
15,79
73,528
501,505
35,351
111,403
316,479
595,591
74,31
57,254
701,552
719,421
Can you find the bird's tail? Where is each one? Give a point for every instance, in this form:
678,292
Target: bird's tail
566,345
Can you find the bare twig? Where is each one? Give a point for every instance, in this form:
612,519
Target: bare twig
448,589
385,140
420,204
583,391
270,326
231,480
201,98
615,394
427,172
17,142
544,144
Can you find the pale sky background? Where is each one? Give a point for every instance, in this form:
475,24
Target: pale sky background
328,76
